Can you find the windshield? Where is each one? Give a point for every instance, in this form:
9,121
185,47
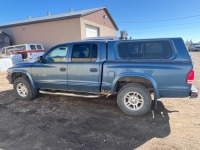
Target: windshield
2,51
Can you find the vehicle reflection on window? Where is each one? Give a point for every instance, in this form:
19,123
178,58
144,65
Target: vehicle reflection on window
57,55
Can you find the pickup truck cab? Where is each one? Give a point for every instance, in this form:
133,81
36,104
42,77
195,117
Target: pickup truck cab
135,70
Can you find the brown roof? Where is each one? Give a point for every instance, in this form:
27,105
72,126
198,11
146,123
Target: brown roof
73,14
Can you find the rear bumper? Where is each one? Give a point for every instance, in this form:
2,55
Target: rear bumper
193,92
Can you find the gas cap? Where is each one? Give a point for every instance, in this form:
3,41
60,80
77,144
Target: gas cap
111,74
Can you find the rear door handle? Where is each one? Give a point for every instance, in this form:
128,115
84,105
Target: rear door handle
63,69
93,70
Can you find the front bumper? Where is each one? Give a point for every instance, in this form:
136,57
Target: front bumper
193,92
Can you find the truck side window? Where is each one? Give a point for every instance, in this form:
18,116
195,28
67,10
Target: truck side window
39,47
84,53
145,50
57,55
20,48
33,47
10,49
157,50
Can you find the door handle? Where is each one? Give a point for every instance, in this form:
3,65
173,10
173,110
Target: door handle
93,69
63,69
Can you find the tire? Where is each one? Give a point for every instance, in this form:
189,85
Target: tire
134,99
23,89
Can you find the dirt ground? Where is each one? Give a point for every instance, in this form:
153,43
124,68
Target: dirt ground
58,122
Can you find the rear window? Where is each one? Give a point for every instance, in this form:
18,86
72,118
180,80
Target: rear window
39,47
145,50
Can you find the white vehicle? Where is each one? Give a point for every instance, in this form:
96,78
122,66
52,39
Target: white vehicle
194,47
29,52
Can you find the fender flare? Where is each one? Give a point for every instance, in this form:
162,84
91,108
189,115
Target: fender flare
141,75
26,73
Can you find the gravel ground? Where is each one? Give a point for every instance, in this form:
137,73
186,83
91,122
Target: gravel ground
58,122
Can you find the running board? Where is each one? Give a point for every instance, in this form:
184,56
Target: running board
69,94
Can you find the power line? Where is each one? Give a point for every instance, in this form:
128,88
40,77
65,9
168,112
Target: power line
162,20
157,28
170,25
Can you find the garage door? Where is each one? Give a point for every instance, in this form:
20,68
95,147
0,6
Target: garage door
92,31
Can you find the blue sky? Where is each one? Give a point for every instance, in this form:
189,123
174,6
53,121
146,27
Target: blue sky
141,18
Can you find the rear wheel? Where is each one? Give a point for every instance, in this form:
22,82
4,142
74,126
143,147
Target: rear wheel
23,89
134,99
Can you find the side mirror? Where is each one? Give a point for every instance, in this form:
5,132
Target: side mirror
40,59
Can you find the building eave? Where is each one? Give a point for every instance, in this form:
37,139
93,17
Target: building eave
29,21
71,15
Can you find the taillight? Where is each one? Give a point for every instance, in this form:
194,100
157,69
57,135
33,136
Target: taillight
190,77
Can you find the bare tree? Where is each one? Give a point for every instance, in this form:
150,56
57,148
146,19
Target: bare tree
187,43
190,42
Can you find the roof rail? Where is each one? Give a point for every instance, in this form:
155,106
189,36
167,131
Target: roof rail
103,38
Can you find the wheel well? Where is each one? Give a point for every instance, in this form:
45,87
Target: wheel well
18,75
125,80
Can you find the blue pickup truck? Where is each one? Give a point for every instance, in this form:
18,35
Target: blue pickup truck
138,71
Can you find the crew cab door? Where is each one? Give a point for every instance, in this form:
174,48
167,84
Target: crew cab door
84,68
52,72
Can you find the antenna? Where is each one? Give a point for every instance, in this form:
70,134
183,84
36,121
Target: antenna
71,10
48,13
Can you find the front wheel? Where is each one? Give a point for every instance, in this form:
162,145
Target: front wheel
23,89
134,99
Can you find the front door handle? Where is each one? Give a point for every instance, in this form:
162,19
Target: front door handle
63,69
93,69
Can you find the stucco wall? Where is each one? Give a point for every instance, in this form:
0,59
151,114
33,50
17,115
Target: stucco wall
46,33
55,32
103,30
100,17
105,25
